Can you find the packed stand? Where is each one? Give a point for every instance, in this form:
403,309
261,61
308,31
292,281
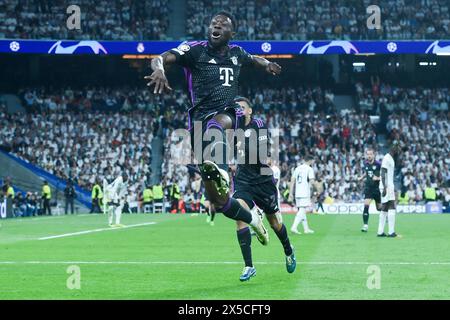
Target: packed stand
61,137
419,118
100,20
307,122
321,20
72,141
426,163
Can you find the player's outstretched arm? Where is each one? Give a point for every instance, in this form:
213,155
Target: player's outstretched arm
158,76
271,67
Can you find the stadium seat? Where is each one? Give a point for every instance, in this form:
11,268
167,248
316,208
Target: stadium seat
158,207
148,208
58,210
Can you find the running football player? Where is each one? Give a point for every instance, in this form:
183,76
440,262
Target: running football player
256,188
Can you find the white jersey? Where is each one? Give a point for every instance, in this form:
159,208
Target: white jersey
276,175
116,191
303,174
388,164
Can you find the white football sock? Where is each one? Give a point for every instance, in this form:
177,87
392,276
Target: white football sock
255,217
391,220
305,221
110,214
298,218
382,221
118,214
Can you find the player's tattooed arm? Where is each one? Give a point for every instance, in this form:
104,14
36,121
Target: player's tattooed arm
158,76
383,181
271,67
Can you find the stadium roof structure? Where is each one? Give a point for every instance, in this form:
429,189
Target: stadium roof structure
438,47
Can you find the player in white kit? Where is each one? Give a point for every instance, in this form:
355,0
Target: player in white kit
302,179
387,192
114,198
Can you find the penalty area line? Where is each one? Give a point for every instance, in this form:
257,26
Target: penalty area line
227,263
95,230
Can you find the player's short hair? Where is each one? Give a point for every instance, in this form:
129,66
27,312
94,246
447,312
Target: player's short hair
246,100
308,158
370,149
228,15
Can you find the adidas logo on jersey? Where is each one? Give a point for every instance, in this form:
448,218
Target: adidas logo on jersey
212,61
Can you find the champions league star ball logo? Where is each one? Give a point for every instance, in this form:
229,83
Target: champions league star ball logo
392,47
80,47
184,47
266,47
337,46
14,46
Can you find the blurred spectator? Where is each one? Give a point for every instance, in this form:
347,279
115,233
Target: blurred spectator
32,204
19,205
69,197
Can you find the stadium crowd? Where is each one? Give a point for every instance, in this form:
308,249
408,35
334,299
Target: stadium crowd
86,133
307,122
256,19
105,20
308,19
76,142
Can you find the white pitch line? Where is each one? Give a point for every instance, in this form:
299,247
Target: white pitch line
226,262
95,230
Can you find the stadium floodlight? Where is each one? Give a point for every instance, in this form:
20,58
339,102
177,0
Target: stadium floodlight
423,63
359,64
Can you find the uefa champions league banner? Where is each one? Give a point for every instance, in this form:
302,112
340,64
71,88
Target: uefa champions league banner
254,47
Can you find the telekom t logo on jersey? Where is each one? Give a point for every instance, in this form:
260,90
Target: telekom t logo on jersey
226,74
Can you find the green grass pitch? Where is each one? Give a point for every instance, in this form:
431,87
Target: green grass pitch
182,257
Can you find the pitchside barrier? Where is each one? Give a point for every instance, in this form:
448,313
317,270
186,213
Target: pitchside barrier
18,46
358,208
6,208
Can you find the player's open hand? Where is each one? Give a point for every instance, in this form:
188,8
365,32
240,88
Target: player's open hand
158,78
273,68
